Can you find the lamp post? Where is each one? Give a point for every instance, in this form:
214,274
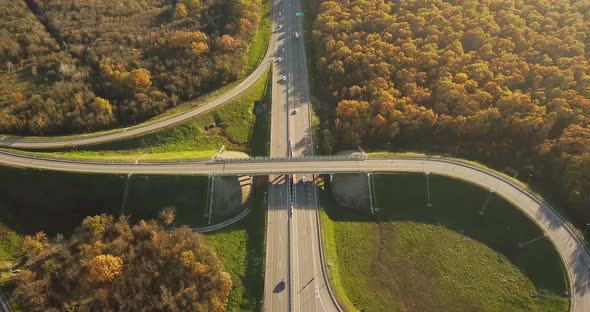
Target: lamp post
528,180
429,204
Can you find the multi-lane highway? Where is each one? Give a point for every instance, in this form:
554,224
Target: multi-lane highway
572,251
277,288
298,263
309,284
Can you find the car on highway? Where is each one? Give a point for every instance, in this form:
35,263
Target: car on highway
297,35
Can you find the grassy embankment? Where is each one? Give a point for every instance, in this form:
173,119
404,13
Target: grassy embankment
526,186
241,247
448,257
259,45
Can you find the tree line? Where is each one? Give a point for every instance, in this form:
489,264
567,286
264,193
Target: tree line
111,265
72,66
504,81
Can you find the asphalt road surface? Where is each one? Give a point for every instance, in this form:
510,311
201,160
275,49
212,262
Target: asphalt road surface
297,220
310,285
277,288
572,251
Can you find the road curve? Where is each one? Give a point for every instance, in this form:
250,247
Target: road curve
572,251
35,143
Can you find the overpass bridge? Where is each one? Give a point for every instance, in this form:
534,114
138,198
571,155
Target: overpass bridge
572,251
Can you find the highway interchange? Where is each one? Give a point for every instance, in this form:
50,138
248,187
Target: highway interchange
572,251
293,235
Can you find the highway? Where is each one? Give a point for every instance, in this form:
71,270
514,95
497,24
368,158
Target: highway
293,252
572,251
310,284
277,288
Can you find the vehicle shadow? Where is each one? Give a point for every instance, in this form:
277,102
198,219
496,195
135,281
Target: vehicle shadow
279,287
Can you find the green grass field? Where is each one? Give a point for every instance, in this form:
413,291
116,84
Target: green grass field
10,244
547,197
241,248
447,257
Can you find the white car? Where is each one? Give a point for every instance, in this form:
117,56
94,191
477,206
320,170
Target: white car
283,78
279,59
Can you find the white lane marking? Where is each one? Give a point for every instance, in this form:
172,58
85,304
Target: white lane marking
315,282
296,241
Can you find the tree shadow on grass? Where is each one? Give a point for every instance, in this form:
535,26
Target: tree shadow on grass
467,209
55,202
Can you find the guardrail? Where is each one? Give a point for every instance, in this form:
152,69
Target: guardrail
257,159
223,224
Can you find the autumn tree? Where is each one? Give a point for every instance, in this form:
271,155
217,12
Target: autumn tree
180,11
167,215
104,268
159,55
110,265
505,80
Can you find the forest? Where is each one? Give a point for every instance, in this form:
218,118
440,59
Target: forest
507,82
110,265
69,66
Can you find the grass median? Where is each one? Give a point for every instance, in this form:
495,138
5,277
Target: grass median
448,257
